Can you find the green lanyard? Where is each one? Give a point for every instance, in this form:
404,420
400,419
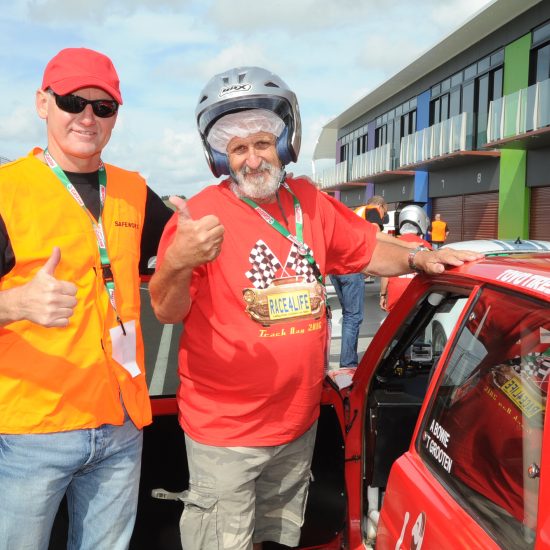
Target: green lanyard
297,239
108,279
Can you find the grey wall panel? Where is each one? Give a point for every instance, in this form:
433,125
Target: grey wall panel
538,167
465,179
353,197
401,190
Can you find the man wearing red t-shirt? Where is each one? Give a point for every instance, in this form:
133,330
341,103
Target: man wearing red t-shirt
243,263
413,223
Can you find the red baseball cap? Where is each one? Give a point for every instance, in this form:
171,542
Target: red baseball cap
75,68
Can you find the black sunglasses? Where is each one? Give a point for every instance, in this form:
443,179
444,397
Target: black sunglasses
103,108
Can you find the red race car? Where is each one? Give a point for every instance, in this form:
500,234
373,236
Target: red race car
436,440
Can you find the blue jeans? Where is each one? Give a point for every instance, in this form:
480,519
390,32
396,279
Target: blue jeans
351,293
99,471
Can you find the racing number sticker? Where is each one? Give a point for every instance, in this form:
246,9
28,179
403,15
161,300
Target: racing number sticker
417,532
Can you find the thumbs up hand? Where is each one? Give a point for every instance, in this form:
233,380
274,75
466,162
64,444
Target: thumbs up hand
46,300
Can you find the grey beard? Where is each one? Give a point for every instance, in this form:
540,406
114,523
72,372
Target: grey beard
261,186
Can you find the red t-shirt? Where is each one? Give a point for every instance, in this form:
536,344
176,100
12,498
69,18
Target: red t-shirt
252,352
397,285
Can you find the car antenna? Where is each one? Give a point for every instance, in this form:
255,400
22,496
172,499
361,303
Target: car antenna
518,241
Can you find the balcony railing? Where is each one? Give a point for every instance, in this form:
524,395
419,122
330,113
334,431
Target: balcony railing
331,177
362,167
446,137
371,163
523,111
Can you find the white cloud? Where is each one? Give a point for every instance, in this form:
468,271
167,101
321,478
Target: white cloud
237,54
305,16
98,11
448,14
331,53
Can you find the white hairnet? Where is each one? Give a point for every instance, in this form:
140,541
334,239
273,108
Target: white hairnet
243,124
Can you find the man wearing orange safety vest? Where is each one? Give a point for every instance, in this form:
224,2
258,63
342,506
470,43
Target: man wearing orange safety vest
74,235
439,231
375,211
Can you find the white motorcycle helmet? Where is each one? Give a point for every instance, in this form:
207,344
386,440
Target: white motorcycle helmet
414,215
244,88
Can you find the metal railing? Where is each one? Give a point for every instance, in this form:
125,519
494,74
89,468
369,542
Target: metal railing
330,177
523,111
361,168
446,137
372,162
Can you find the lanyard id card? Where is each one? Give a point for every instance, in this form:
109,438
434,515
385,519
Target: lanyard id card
124,347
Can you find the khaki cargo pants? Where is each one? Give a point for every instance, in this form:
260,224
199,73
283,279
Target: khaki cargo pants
241,495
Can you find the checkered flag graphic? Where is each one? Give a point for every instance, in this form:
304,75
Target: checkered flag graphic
299,264
537,364
264,265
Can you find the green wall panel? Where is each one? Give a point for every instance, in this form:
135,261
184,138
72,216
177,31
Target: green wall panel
514,195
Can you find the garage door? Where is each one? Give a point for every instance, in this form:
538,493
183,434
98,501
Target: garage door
539,226
450,209
480,216
469,216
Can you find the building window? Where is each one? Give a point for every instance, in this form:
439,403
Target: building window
542,34
361,145
470,72
381,136
408,124
456,79
344,151
454,102
540,64
439,109
489,87
484,65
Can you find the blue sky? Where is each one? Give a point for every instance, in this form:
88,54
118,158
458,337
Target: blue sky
331,52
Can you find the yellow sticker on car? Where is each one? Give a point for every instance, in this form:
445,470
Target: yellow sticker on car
289,304
525,399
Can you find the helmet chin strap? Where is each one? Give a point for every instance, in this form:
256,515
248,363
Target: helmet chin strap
283,176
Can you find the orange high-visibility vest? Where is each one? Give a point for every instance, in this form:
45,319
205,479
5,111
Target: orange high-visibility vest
59,379
361,211
439,228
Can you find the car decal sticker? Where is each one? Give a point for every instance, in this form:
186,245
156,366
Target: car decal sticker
524,279
282,292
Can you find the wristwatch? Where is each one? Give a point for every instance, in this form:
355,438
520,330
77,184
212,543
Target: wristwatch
412,255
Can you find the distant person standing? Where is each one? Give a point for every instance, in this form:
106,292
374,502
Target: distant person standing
350,289
439,231
375,211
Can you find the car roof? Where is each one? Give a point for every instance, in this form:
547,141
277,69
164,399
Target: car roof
496,246
522,266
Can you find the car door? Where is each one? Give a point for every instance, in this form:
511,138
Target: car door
473,473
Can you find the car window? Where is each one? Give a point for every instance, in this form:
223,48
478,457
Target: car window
483,431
